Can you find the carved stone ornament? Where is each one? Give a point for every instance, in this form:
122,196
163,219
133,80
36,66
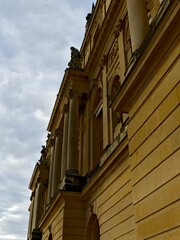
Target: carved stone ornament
43,156
65,109
104,60
113,53
75,62
73,93
119,28
48,137
57,132
43,151
52,141
89,17
88,20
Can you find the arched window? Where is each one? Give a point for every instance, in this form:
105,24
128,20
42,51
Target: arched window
50,236
93,231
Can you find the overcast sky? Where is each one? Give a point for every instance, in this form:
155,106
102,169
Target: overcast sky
35,41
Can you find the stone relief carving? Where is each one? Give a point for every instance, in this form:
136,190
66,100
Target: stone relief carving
113,53
119,28
104,60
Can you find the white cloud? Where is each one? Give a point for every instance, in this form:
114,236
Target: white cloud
35,41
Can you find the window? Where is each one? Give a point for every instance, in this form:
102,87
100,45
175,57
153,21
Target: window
93,230
50,236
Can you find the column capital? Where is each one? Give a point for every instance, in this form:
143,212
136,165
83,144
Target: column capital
103,62
73,93
52,141
57,132
41,181
65,109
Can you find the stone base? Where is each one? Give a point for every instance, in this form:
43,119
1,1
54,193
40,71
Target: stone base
36,234
73,181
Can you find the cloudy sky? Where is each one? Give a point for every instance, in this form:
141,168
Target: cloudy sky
35,41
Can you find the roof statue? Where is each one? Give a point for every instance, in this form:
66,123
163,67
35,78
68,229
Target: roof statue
89,17
88,20
75,62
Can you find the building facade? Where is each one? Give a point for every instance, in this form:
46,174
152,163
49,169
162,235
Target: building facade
110,169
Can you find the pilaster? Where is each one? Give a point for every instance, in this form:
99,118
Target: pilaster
65,139
30,224
50,170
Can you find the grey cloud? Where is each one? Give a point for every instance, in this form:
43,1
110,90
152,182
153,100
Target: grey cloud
35,41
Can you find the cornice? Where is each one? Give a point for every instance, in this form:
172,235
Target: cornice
70,78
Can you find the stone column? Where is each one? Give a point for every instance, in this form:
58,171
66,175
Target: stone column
72,147
56,173
49,195
37,205
138,22
39,201
33,211
64,143
30,217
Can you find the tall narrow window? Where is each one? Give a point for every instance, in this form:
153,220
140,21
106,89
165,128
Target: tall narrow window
93,230
50,236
